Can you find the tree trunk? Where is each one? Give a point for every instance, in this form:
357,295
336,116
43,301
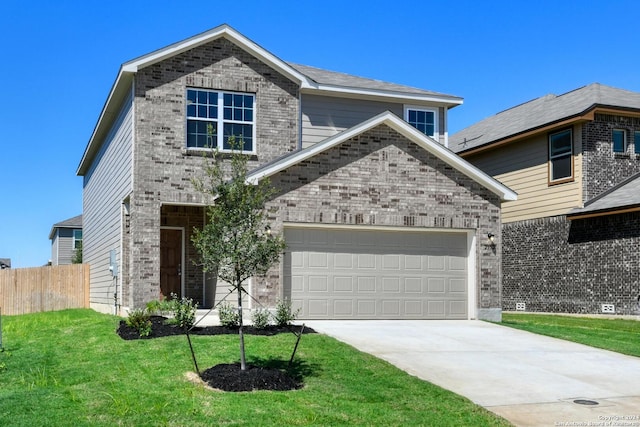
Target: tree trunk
243,362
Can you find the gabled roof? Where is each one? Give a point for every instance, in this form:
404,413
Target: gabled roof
403,128
542,112
624,197
74,223
310,80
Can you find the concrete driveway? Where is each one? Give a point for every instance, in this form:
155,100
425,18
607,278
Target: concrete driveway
529,379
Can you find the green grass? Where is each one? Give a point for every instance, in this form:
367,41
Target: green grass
622,336
70,368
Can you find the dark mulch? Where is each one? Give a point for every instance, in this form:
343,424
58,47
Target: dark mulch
229,377
159,329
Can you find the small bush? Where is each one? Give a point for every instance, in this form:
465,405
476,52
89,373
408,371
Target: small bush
161,307
139,320
260,318
184,312
228,315
284,316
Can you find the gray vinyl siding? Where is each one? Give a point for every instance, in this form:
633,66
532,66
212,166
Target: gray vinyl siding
54,249
325,116
106,184
62,247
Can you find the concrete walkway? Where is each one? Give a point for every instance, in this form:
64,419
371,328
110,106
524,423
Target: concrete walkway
529,379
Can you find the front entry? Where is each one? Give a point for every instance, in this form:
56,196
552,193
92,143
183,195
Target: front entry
170,262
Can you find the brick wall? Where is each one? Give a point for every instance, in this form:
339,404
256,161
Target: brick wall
556,265
380,178
602,168
163,167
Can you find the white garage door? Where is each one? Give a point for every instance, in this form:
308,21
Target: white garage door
365,274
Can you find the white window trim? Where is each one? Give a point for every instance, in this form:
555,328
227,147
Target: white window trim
436,118
73,237
221,121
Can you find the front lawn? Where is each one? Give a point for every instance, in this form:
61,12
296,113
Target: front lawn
70,368
622,336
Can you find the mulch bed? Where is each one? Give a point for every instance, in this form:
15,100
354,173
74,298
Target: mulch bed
228,376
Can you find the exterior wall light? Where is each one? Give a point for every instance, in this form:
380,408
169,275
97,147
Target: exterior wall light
492,238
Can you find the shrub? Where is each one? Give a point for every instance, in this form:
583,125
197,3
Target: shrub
260,318
284,316
184,312
139,320
228,315
161,307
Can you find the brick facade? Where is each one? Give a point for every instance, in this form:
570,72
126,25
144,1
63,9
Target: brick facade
379,178
163,167
602,168
556,265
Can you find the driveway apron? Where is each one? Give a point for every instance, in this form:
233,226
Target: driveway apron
529,379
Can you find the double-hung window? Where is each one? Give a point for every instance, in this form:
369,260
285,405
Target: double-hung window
619,138
214,117
423,119
77,239
560,156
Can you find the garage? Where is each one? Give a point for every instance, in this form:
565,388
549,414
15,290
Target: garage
355,273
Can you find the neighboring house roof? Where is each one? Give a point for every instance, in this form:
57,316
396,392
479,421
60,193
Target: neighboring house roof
624,197
539,113
310,80
74,223
5,263
400,126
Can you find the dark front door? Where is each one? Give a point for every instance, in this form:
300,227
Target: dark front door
170,262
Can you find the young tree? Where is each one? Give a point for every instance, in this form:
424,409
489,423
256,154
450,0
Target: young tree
236,241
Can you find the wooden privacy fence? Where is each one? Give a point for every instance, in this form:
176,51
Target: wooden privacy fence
31,290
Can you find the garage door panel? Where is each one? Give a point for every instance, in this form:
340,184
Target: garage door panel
318,284
366,284
346,274
343,308
436,285
391,284
366,308
343,284
413,285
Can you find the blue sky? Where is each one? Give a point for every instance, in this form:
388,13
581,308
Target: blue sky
59,60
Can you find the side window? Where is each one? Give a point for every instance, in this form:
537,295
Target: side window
77,239
636,142
619,139
560,156
423,119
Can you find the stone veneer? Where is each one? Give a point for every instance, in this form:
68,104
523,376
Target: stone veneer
556,265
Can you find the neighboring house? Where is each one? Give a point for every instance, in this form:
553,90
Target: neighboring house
5,263
572,239
66,239
381,220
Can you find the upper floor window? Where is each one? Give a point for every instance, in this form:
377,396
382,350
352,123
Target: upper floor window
213,117
423,119
77,239
560,156
619,138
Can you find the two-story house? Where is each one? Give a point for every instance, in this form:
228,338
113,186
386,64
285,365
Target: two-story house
66,240
572,239
380,218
